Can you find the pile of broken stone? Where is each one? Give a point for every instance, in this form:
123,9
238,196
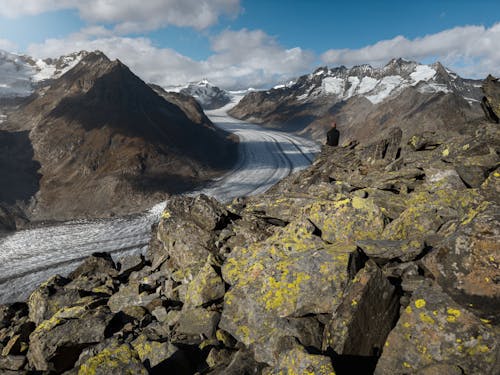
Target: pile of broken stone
379,258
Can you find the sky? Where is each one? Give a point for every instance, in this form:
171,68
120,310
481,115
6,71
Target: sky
238,44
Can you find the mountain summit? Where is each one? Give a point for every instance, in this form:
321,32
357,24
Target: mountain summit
364,99
108,143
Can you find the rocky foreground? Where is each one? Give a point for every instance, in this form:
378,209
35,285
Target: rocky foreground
379,259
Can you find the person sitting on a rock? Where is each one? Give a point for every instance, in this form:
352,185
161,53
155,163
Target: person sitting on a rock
333,135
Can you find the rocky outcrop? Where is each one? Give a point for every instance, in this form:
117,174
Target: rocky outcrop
491,99
379,258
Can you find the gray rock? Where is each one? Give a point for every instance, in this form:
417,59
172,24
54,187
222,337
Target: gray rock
130,295
96,264
195,325
434,330
12,362
49,297
56,343
367,313
384,251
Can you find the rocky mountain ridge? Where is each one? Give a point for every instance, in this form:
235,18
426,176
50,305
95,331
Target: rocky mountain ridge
380,258
402,93
103,142
21,74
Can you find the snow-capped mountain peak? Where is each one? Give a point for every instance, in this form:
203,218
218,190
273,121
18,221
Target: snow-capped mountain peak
20,74
207,94
379,84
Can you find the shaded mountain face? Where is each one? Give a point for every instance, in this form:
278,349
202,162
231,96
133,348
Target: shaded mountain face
208,95
365,101
107,143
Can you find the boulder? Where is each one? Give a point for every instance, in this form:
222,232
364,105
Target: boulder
207,286
384,251
130,295
152,353
491,99
434,330
56,343
466,263
95,265
365,317
129,264
298,361
117,359
186,231
195,325
345,219
272,281
49,297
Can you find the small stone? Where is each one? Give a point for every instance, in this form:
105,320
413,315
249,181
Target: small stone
195,325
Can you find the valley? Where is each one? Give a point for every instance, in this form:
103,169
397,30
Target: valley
30,256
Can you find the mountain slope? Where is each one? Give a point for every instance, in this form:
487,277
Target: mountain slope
107,143
363,100
208,95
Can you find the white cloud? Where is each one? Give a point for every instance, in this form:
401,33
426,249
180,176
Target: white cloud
7,45
132,15
241,58
472,51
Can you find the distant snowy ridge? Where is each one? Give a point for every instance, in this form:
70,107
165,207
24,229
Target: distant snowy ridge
207,94
20,74
379,84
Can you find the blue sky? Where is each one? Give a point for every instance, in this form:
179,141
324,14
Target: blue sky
241,43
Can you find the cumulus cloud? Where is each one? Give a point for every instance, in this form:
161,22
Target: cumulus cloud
472,51
241,58
132,15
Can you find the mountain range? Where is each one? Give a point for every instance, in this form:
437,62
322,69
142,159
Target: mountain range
99,141
364,101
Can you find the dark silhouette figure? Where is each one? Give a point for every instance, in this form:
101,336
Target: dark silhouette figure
333,135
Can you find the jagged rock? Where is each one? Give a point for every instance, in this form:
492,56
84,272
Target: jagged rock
186,231
436,330
346,220
472,175
387,148
442,178
425,141
272,281
114,360
130,264
424,214
12,362
56,343
196,324
367,313
153,353
96,264
49,297
130,295
466,264
491,100
207,286
383,251
298,361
